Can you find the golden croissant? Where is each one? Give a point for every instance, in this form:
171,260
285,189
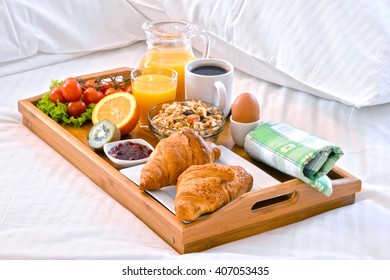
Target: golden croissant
204,189
173,155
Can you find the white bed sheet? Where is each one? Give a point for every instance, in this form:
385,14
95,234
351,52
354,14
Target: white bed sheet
337,50
50,210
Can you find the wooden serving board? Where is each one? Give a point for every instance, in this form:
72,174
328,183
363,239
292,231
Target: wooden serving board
252,213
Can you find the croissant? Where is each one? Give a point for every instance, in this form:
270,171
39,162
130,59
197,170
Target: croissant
204,189
173,155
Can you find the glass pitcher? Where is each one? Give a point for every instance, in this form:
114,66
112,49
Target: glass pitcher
169,45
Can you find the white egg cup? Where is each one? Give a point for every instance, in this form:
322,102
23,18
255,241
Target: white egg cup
240,130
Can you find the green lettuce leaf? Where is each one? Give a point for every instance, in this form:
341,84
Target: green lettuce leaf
55,83
58,112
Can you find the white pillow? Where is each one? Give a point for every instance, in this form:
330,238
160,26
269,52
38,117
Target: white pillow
338,50
70,28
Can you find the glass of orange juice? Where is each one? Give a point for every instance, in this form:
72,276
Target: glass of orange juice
152,85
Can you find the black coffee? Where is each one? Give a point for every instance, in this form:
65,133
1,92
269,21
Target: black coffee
209,70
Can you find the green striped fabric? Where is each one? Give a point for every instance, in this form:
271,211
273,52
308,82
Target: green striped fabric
294,152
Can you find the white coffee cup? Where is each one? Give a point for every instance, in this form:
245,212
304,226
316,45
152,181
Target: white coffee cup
210,80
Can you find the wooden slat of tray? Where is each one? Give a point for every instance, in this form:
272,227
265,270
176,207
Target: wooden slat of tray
250,214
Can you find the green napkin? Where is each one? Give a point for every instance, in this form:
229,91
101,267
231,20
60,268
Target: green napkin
294,152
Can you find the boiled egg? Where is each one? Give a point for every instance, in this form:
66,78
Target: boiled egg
245,108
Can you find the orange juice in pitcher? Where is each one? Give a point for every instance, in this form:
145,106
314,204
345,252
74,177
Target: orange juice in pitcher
169,45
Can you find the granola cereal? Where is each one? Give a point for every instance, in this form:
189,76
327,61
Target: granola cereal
195,114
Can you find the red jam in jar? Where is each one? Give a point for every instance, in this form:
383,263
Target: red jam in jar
130,151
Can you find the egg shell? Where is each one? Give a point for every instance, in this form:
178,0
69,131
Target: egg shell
245,108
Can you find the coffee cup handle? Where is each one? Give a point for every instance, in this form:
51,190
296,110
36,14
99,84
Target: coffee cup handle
220,94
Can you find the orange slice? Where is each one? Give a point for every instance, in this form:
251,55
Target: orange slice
120,108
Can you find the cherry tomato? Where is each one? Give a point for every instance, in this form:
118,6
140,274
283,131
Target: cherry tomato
116,84
111,90
102,87
91,95
76,108
129,89
120,85
71,89
90,83
56,95
99,85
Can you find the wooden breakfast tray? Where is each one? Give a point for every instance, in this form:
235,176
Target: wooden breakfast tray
252,213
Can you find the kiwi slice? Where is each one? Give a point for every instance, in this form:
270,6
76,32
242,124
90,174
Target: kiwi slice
101,133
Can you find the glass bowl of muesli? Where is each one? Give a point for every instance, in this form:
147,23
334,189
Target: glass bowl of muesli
206,119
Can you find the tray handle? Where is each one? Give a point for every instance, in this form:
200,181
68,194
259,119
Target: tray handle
288,195
274,198
276,201
291,194
266,200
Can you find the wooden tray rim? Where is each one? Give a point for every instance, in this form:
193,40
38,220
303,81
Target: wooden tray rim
177,234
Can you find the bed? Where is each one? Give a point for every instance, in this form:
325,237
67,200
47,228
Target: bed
321,66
